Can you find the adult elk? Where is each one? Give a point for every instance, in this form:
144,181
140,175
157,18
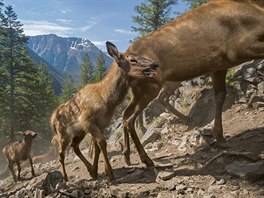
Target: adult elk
92,108
207,40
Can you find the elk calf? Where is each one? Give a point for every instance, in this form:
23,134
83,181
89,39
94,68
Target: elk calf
18,151
92,108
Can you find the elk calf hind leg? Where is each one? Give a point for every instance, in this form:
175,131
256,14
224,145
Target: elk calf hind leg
79,135
11,168
89,167
61,151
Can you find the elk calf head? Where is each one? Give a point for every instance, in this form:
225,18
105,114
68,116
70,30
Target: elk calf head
28,135
135,66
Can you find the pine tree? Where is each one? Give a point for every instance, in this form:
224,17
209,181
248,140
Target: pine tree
46,99
2,83
26,100
151,15
19,98
195,3
13,43
1,48
86,74
100,68
68,89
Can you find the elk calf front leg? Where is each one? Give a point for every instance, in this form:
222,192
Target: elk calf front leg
219,93
97,151
18,170
31,165
101,142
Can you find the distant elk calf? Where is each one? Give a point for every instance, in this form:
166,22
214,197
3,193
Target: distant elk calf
92,108
19,151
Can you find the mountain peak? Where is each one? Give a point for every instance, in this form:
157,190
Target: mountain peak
65,53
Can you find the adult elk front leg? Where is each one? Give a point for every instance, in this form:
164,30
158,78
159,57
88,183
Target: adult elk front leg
219,93
137,104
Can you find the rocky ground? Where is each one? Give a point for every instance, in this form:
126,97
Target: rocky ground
188,163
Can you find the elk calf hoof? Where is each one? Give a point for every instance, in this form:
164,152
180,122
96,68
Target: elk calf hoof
149,163
65,178
93,174
127,160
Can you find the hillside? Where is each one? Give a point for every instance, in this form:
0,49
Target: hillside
188,163
57,75
179,155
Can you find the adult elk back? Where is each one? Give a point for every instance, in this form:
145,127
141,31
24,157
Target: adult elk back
207,40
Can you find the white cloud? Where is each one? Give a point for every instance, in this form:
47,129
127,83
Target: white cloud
61,28
87,27
65,10
65,21
126,32
32,28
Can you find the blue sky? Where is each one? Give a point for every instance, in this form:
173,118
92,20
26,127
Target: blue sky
95,20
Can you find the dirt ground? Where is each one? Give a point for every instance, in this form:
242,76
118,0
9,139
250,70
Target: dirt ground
178,173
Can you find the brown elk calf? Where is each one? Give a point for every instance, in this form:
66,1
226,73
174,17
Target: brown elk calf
92,108
207,40
19,151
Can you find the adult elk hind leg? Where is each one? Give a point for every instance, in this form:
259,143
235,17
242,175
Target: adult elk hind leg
142,95
219,94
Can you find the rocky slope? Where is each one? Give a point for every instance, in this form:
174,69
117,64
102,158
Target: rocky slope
188,163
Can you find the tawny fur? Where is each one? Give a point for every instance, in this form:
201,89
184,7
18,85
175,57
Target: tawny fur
19,151
92,108
207,40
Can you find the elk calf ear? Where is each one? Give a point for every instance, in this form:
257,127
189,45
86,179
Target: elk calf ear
34,135
112,50
20,133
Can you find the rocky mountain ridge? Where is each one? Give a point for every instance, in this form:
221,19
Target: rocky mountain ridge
65,54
